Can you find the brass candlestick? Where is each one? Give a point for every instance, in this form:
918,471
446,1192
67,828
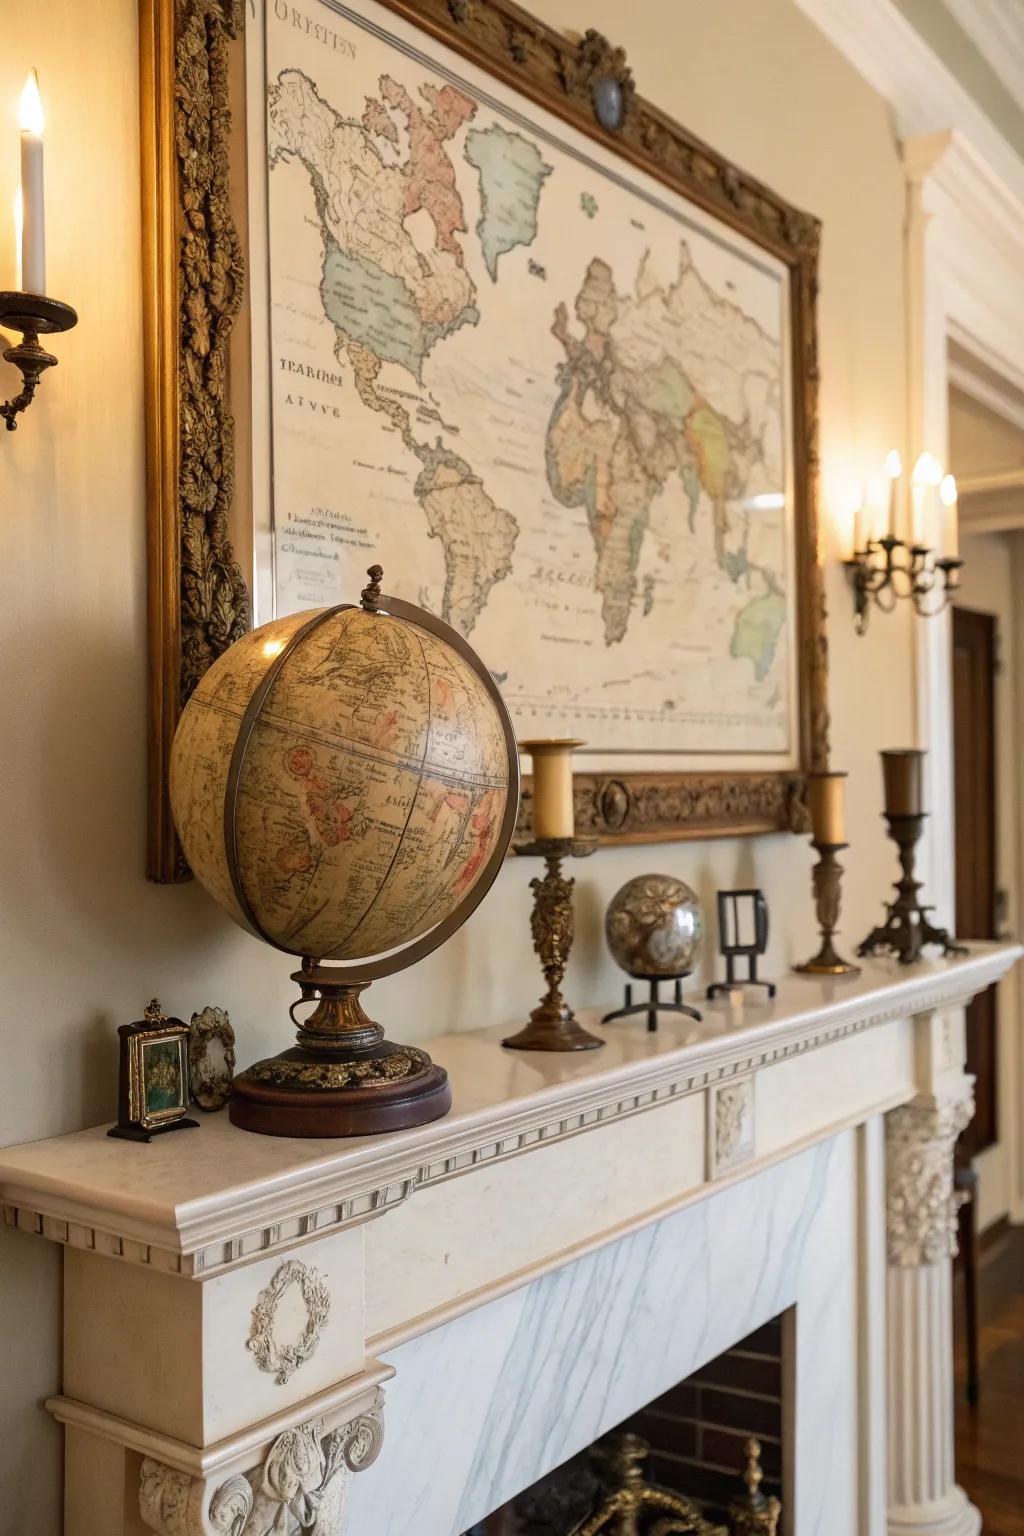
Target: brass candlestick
907,927
827,876
553,1025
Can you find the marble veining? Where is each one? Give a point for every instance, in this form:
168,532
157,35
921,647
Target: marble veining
510,1390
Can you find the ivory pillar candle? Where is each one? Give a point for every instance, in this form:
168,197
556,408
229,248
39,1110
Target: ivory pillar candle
903,774
826,792
951,519
552,786
33,231
893,471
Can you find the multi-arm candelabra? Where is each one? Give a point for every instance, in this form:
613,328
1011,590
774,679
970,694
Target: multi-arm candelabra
887,570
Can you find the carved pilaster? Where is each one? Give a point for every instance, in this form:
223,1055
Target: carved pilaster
923,1496
302,1485
921,1206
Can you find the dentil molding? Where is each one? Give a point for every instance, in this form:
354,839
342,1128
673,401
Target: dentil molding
921,1204
227,1202
301,1485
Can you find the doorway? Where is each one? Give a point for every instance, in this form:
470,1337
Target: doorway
975,641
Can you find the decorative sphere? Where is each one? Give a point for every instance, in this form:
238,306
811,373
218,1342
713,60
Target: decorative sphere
655,927
339,781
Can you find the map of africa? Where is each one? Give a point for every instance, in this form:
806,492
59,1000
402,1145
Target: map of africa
550,402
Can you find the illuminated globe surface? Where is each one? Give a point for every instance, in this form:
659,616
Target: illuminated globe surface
655,927
365,772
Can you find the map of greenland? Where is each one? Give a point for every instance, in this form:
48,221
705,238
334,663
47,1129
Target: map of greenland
658,384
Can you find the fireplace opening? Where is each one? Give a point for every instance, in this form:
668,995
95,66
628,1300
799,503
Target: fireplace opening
714,1444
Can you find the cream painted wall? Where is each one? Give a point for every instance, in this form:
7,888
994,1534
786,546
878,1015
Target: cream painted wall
987,586
84,941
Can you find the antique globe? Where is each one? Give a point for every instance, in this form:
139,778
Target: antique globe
654,927
345,783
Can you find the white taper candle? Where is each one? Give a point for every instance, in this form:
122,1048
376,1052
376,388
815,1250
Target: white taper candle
33,233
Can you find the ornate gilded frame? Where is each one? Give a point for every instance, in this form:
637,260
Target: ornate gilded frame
194,274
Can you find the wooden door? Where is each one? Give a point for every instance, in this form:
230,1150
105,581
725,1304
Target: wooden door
974,728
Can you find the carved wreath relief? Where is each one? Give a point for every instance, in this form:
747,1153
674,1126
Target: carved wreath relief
282,1360
301,1487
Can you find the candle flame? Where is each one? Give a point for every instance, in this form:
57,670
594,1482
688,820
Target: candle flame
30,112
927,470
893,464
947,491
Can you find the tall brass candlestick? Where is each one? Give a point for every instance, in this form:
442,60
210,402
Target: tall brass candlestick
552,1025
827,875
907,927
825,795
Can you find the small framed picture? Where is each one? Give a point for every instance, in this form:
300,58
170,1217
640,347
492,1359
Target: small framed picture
153,1081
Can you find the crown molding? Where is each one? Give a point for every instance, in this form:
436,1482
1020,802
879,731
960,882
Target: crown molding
926,98
996,28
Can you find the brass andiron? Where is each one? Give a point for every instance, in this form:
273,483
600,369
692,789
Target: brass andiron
629,1497
907,927
827,877
33,315
552,1025
756,1513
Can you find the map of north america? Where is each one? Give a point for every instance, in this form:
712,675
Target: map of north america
661,387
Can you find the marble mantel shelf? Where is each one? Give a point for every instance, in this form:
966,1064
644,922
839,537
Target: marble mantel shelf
195,1204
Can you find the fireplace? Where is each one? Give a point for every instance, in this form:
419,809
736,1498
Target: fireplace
698,1435
567,1260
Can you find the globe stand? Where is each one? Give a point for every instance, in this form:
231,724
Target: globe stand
654,1004
342,1078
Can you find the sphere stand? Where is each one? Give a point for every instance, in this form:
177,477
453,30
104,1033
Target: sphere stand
654,1005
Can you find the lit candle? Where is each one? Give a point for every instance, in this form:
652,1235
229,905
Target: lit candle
19,222
860,537
825,794
903,773
893,470
951,520
552,786
33,233
875,518
925,482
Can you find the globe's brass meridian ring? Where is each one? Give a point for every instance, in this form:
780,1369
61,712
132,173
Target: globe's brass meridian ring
346,784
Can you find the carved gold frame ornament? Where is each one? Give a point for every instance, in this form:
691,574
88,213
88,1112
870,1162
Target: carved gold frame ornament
193,289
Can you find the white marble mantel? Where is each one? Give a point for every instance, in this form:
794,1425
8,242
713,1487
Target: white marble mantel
233,1303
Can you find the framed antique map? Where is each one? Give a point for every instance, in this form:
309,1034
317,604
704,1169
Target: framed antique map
432,286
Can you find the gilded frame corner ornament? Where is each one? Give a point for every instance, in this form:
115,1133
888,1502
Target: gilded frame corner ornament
194,269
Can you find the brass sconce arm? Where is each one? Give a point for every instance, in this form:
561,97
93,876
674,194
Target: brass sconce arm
887,570
33,315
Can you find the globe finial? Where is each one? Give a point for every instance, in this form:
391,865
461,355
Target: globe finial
370,595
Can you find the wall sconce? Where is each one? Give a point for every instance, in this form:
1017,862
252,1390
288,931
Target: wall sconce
30,311
887,568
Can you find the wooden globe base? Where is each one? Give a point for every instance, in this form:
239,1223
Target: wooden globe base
342,1078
